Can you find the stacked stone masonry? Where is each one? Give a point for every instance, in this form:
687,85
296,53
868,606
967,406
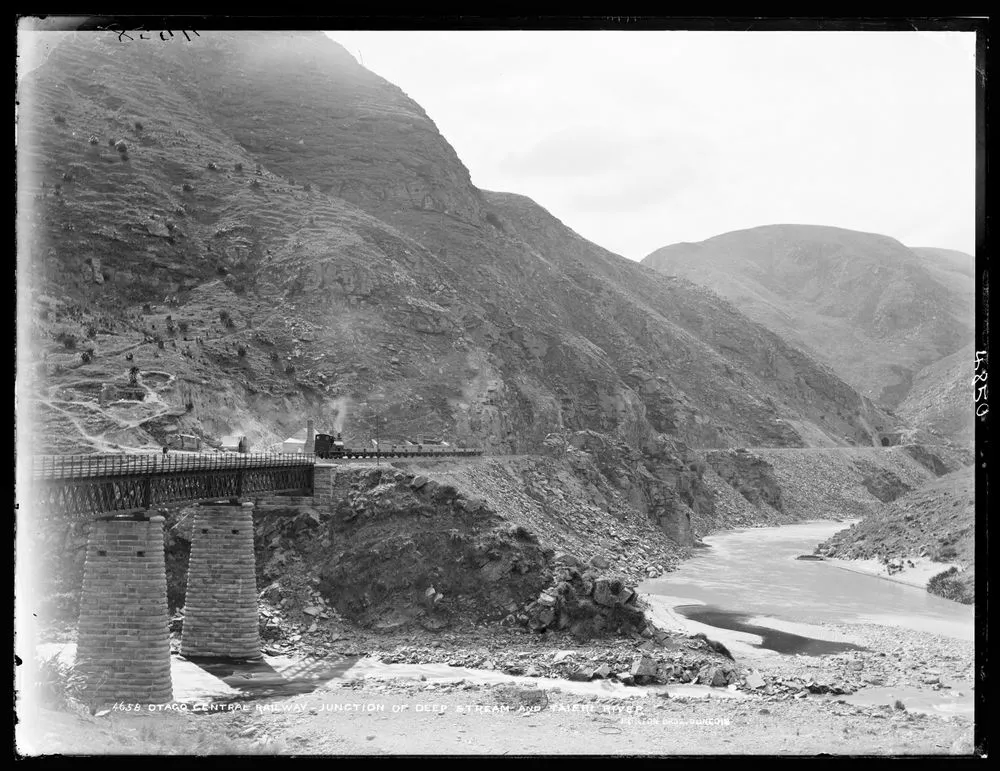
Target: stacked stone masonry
220,608
274,502
123,643
324,478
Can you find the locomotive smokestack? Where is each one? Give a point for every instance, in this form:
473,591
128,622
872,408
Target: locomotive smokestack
310,437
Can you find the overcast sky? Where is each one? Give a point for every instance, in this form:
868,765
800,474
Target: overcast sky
637,140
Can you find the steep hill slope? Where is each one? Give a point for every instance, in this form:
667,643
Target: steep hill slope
942,397
866,305
267,231
936,521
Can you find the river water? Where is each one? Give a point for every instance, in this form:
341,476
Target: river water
751,578
748,590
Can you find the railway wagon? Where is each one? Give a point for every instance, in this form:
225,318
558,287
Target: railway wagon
333,447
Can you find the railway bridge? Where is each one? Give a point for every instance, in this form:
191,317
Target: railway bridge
123,641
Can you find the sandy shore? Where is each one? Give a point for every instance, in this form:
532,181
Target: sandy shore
923,569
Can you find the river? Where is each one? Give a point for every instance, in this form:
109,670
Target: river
751,578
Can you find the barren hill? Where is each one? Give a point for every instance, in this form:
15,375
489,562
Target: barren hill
874,310
271,231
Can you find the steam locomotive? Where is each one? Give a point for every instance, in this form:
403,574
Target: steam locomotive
329,446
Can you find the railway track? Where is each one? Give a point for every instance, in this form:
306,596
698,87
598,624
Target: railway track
154,463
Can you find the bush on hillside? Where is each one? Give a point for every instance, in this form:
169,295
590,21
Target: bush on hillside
949,585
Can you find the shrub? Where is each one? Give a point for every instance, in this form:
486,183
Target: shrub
290,369
186,187
147,308
241,351
212,166
133,375
160,344
494,220
68,340
138,126
58,684
184,326
275,356
121,147
948,585
59,119
238,167
223,316
255,183
945,554
67,177
93,139
87,356
91,332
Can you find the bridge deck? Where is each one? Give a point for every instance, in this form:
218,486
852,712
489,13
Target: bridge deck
122,465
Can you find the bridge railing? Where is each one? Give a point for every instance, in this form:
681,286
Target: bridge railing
122,464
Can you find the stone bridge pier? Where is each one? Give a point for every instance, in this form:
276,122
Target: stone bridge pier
123,641
220,605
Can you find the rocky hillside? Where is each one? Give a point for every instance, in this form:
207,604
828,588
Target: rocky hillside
942,397
264,230
874,310
936,521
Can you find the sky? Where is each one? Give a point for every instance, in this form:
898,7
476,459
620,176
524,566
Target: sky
637,140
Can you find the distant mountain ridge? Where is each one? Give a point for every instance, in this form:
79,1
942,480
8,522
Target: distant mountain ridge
872,309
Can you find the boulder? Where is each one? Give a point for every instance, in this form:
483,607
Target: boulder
643,666
603,672
606,591
564,558
754,680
